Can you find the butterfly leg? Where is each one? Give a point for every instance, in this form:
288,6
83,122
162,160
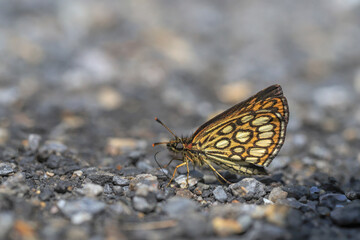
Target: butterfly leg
216,173
168,164
180,165
187,168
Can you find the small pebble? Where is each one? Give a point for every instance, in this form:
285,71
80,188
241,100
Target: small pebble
220,194
6,169
145,180
277,193
185,193
78,173
46,194
16,184
206,193
80,210
330,200
34,142
296,191
120,181
314,193
91,190
347,216
101,178
352,195
323,211
179,207
267,201
146,203
261,230
108,189
121,208
53,161
181,180
52,147
248,188
62,187
291,202
118,190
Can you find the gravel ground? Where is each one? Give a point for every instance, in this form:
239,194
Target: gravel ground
81,83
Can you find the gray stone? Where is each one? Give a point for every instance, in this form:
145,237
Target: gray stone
296,191
118,190
181,180
261,230
267,201
314,193
330,200
6,169
6,223
145,181
34,142
101,178
53,147
248,188
291,202
178,207
277,193
220,194
347,216
46,194
53,161
91,190
352,195
108,189
323,211
120,181
120,208
146,203
80,210
15,184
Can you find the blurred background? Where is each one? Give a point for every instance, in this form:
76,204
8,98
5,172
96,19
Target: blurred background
94,74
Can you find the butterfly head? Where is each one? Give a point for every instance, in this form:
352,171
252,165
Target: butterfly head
175,145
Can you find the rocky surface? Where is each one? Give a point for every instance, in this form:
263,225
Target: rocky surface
80,85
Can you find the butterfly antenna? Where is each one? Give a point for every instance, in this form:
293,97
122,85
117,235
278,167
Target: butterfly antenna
158,120
158,143
160,165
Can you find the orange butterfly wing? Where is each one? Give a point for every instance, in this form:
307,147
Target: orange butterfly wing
246,136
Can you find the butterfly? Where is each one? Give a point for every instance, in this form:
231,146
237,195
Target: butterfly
242,139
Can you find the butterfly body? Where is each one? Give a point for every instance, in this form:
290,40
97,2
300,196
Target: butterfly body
186,147
242,139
